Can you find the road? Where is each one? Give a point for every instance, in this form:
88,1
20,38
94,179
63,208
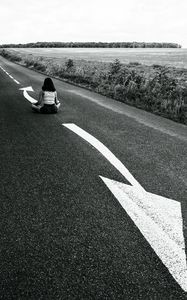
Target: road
64,232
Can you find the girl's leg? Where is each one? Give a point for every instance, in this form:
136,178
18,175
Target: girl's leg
36,108
58,106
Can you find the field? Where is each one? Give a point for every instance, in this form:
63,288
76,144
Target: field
170,57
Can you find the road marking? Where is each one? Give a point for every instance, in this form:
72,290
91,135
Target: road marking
106,153
16,81
26,95
10,75
159,219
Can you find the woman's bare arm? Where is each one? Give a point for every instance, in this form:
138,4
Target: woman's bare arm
56,99
40,98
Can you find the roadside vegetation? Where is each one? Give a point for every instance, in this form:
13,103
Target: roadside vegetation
158,89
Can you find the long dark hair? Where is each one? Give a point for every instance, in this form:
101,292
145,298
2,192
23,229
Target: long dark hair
48,85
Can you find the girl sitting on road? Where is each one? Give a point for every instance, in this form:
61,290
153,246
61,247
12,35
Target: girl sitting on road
48,102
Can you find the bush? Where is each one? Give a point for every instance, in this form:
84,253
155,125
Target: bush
165,95
115,66
11,56
134,63
39,66
69,64
29,62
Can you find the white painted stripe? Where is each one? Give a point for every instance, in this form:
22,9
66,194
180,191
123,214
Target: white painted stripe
2,68
10,75
160,221
105,152
16,81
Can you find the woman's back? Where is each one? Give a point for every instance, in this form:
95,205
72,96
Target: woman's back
49,97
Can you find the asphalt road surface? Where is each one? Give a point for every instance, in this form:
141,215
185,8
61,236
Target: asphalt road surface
63,233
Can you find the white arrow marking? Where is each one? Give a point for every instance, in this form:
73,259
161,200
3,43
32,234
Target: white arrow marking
106,153
160,221
158,218
26,95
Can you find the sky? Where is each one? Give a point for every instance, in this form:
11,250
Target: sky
24,21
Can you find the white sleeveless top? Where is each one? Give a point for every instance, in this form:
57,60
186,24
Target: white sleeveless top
49,97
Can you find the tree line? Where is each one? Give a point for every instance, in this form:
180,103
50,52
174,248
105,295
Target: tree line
92,45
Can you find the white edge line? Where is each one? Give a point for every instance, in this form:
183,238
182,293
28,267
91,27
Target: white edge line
106,153
10,75
16,81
